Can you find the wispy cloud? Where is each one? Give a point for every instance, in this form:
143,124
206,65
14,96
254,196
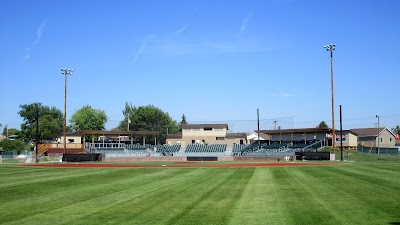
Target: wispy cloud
283,94
141,49
175,44
39,33
180,30
245,22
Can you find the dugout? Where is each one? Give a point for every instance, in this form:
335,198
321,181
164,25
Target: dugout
91,157
202,158
312,155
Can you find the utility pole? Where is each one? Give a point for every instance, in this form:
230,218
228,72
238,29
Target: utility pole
275,121
37,134
129,121
258,125
377,116
65,72
341,135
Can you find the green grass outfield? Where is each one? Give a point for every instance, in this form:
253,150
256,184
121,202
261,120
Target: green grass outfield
348,193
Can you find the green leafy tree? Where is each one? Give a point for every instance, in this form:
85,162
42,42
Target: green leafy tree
322,124
151,118
10,145
88,118
50,121
10,131
396,130
127,112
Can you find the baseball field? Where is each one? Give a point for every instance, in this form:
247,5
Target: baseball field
201,193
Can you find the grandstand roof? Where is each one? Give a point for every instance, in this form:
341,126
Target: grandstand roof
199,126
173,136
236,135
299,130
115,132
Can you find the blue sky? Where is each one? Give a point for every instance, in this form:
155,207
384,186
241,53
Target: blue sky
214,61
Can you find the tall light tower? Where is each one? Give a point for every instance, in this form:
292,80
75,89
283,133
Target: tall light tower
65,72
330,48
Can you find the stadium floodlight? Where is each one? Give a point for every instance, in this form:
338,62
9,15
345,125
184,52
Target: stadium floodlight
65,72
330,48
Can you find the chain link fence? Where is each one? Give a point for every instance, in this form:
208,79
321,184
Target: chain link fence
367,154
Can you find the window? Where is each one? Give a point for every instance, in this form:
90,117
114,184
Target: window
193,141
381,139
390,139
219,138
241,141
70,140
207,128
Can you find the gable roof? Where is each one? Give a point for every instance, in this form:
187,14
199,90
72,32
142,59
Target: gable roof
369,132
200,126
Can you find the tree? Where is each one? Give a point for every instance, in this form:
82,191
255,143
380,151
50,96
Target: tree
396,130
322,125
10,145
183,122
10,131
88,118
151,118
127,112
50,121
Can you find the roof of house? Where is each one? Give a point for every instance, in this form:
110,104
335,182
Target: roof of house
369,132
200,126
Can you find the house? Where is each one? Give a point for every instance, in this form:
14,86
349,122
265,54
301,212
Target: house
349,139
375,137
206,134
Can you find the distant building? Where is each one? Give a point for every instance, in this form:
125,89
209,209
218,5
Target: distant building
369,137
206,134
349,139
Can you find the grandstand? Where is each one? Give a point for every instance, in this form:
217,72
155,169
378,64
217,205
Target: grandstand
206,148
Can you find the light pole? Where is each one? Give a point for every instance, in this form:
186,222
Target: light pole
330,48
377,116
65,72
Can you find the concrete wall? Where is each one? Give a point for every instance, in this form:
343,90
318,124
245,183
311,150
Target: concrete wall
202,133
145,159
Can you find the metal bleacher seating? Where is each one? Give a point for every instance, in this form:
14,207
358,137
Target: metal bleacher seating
205,148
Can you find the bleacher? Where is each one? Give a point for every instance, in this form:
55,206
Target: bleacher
238,147
135,147
194,148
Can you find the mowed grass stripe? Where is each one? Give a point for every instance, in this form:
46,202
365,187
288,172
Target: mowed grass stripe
302,205
261,202
11,181
381,196
80,190
347,197
214,201
154,204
